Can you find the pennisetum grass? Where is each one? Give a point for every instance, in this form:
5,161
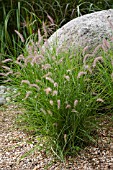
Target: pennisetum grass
61,94
62,99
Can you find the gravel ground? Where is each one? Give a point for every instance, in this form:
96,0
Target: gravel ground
20,151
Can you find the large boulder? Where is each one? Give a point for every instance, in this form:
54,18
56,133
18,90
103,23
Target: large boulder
87,30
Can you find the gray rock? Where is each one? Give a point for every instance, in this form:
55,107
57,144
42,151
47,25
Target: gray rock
2,101
3,89
87,30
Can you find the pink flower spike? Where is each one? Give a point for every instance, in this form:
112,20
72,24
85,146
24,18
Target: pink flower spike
65,138
46,66
7,60
85,49
100,100
43,111
75,103
96,60
35,85
48,90
20,57
50,79
51,102
55,84
67,77
20,35
48,74
68,106
25,81
81,73
6,68
10,72
49,112
55,92
86,56
58,102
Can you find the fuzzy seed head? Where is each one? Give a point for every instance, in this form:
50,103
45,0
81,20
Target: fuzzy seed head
67,77
7,60
46,66
100,100
50,79
55,92
68,106
75,103
96,60
25,81
58,103
81,73
35,85
55,84
48,90
51,102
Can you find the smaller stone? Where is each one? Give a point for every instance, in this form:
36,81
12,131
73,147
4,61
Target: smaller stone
2,101
3,89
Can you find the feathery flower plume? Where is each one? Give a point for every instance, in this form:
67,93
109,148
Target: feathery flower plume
58,102
20,35
6,74
51,102
65,138
20,57
39,37
49,17
60,60
74,111
55,84
75,103
7,60
106,43
37,59
100,100
43,111
81,73
25,81
48,90
46,66
68,106
67,77
35,85
55,92
6,68
84,50
49,112
27,95
96,60
96,49
50,79
48,74
17,74
45,29
86,56
10,72
53,58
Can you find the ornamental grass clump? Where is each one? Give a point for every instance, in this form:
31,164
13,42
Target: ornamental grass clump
62,96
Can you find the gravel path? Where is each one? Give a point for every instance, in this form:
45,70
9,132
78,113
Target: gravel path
20,151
